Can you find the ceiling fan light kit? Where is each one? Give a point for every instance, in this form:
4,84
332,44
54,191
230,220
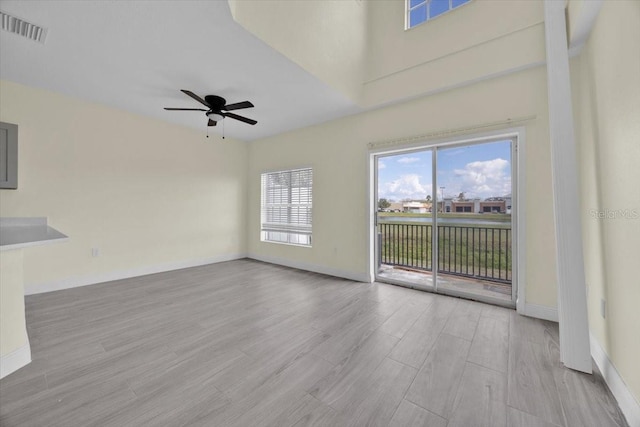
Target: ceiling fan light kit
217,108
214,116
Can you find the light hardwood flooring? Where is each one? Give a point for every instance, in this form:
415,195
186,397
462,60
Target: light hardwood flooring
244,343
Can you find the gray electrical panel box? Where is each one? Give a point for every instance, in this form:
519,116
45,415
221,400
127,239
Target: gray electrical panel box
8,156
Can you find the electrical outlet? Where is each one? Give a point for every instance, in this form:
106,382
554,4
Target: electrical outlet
95,252
603,308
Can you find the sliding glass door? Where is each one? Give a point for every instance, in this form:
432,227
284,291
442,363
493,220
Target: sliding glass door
444,219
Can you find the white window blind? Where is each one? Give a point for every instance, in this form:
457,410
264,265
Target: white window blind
286,206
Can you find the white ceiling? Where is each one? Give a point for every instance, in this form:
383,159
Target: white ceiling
136,55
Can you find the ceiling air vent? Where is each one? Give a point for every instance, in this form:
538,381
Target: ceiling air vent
23,28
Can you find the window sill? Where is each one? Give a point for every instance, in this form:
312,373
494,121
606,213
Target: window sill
285,243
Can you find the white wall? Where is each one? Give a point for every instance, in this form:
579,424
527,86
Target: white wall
338,153
146,193
606,90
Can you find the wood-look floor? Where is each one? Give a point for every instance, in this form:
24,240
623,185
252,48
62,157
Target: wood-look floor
245,343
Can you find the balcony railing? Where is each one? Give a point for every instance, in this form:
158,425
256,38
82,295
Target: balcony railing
471,251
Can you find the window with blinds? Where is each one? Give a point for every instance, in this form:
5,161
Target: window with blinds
286,206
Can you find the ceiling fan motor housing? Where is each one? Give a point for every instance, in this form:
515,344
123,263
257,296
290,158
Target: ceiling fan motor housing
215,102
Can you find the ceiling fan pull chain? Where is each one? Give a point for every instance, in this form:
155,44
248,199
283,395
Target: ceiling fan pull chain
207,131
223,129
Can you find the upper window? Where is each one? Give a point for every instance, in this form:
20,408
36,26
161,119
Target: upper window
419,11
286,206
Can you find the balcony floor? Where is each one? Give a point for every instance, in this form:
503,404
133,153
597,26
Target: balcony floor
447,282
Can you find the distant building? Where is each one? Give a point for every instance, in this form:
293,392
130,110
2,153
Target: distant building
469,206
448,205
395,207
415,207
489,205
493,206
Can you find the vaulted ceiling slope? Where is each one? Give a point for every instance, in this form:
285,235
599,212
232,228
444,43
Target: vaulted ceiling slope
136,55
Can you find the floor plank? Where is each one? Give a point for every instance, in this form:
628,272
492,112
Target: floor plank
416,344
498,313
490,345
586,400
305,407
322,416
403,319
527,328
343,344
463,320
436,385
275,397
346,375
374,400
481,398
517,418
410,415
532,387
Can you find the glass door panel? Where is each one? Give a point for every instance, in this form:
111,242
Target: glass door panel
404,218
473,220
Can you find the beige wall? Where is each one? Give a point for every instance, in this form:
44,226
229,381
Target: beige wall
361,48
606,87
326,38
338,153
449,50
146,193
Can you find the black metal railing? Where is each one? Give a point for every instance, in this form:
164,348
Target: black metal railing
471,251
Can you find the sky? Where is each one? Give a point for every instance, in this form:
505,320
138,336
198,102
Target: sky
479,170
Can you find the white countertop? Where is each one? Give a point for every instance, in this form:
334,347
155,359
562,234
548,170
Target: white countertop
16,233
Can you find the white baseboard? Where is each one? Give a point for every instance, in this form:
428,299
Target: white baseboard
627,402
74,282
541,312
9,363
358,277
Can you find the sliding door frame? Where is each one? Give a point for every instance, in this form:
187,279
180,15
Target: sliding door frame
517,136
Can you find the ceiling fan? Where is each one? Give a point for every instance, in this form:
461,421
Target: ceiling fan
217,108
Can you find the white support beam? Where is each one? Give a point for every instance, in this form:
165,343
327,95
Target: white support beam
572,295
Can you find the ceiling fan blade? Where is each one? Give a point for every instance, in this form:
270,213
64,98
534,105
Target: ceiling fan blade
196,97
242,119
211,123
238,106
185,109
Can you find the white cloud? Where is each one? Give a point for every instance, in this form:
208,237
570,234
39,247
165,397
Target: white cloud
482,179
407,160
405,187
381,164
477,179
